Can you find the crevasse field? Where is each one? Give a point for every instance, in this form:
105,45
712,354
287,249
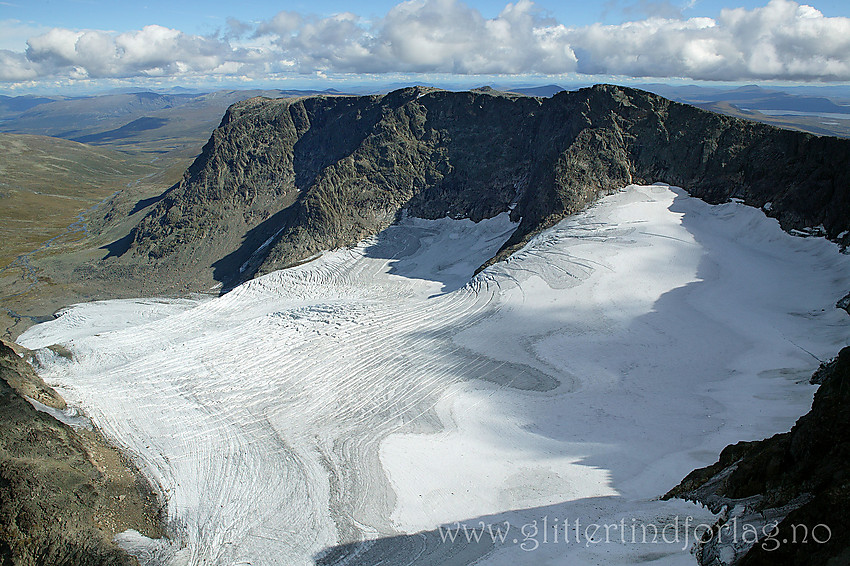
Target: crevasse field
382,405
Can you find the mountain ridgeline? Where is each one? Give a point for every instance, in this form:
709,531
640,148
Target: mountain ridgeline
281,180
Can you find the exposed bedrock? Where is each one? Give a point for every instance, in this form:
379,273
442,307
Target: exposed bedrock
793,489
64,492
281,180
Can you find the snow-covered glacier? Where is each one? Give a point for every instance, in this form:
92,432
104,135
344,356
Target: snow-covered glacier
379,404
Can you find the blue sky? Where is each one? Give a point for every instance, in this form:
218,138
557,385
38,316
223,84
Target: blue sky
206,17
156,42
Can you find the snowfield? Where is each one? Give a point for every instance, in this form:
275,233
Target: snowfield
382,405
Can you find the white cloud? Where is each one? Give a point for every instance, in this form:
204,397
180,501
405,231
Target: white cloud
781,40
790,40
15,67
57,45
447,36
154,51
653,48
284,23
421,36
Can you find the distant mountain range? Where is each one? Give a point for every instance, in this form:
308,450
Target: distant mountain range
183,113
125,120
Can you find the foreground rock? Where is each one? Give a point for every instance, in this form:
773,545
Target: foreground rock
281,180
798,479
64,493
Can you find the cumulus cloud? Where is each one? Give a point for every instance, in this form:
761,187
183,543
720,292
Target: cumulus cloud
283,24
654,48
447,36
15,67
338,43
422,36
790,40
781,40
153,50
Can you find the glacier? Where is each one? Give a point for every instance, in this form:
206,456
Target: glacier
365,406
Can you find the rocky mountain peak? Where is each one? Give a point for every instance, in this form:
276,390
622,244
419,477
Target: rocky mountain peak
295,176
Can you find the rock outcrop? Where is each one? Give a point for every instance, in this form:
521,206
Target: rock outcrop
281,180
797,480
64,493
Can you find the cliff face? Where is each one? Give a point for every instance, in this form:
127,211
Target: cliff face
281,180
798,479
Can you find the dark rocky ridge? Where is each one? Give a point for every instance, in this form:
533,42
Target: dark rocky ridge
321,172
799,477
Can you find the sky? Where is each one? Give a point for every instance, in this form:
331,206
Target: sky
55,44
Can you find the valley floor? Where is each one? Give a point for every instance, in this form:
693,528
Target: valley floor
375,405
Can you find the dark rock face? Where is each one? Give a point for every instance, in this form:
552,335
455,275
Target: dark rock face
309,174
800,477
63,493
